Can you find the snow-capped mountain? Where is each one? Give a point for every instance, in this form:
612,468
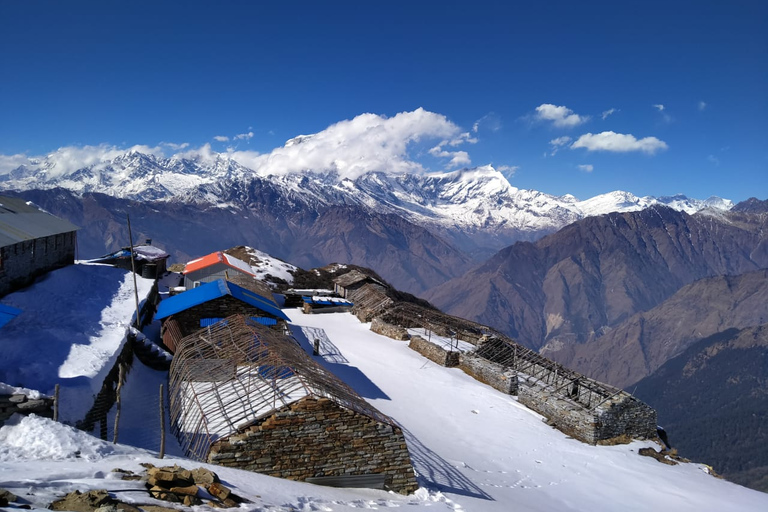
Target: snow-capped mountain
471,201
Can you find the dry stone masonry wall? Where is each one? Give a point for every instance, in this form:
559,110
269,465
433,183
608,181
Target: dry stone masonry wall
22,404
316,438
395,332
487,372
434,352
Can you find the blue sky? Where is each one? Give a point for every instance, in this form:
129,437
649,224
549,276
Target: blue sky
673,93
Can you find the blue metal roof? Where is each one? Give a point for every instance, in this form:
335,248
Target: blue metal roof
214,290
7,313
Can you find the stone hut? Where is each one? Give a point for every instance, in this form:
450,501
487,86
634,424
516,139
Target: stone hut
32,242
214,266
346,284
188,311
245,396
584,408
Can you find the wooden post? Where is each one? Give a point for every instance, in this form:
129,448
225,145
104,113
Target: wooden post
120,378
316,351
133,269
56,403
162,424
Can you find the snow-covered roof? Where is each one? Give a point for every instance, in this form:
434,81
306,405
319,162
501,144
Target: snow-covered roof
21,220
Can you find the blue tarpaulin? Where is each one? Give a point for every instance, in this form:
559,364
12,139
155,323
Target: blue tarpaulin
214,290
7,313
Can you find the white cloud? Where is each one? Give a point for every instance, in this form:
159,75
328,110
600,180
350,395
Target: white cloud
490,121
369,142
508,170
714,160
702,105
244,136
586,167
608,112
618,142
11,162
558,143
221,138
175,147
69,159
561,117
660,107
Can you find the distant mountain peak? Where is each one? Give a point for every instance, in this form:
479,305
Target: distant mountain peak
478,201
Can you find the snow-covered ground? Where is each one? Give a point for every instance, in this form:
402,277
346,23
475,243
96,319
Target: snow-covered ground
269,265
72,326
473,447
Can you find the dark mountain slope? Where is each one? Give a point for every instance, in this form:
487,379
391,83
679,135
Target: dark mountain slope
713,401
408,256
641,344
571,286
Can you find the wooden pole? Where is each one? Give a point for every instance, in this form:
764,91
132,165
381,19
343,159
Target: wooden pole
133,269
56,403
162,424
120,378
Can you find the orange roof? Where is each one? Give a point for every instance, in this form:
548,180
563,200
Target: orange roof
215,258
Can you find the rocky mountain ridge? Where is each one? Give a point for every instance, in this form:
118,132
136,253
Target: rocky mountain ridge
476,210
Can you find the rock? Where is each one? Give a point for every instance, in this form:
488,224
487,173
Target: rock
204,477
219,491
8,496
190,490
83,502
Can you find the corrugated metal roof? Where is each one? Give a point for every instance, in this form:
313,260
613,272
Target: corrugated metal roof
213,290
215,258
20,221
8,313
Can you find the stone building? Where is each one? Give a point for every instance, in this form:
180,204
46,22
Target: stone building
346,284
584,408
245,396
32,242
208,303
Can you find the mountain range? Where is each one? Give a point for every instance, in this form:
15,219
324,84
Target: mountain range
475,212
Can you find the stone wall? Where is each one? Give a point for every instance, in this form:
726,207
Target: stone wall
317,437
395,332
434,352
622,415
22,404
493,374
222,307
21,263
626,415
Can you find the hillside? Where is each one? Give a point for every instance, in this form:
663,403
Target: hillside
713,399
574,285
638,346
